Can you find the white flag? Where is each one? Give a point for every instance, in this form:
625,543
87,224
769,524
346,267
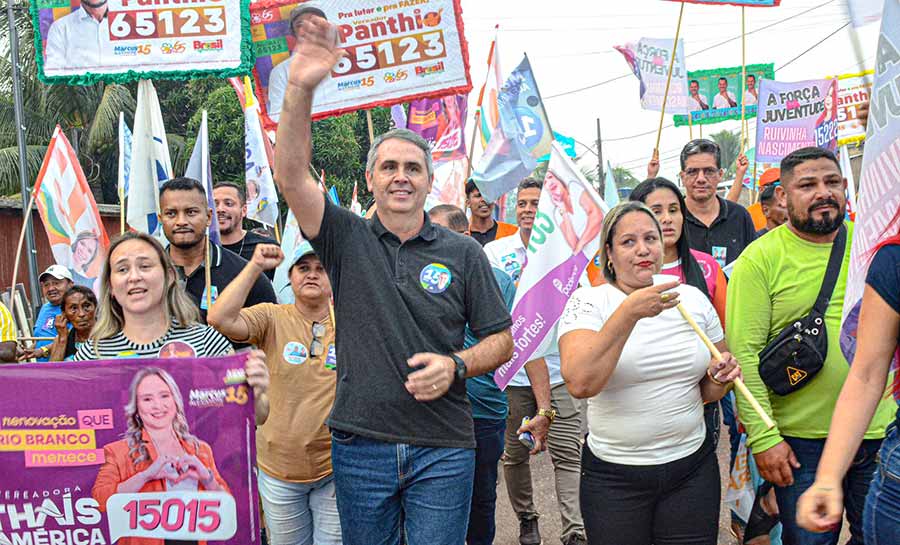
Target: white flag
150,163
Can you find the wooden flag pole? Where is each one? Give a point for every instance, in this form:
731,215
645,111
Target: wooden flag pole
743,77
25,214
662,113
204,174
277,233
738,383
207,271
475,131
691,124
371,128
121,211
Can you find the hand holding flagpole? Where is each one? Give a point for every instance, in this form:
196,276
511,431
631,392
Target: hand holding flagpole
738,383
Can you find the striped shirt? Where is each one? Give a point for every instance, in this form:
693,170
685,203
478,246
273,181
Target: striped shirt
196,341
7,326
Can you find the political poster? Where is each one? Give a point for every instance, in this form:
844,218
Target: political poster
441,122
81,43
649,60
863,12
449,186
564,238
747,3
794,115
69,213
396,52
82,465
878,198
717,95
854,90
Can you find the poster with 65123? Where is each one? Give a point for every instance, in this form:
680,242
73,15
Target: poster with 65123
132,451
396,51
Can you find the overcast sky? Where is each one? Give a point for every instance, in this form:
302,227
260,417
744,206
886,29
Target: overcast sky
569,43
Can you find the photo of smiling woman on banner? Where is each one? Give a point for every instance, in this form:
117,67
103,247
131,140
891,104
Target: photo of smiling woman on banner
158,453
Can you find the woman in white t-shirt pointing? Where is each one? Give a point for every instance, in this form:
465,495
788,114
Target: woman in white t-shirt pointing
649,473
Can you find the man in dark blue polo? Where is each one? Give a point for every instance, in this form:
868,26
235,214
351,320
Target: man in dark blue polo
402,433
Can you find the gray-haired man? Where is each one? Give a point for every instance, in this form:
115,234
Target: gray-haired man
402,433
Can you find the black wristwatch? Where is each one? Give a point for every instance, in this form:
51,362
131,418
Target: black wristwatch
459,374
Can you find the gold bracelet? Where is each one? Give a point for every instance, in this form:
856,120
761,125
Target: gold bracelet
712,378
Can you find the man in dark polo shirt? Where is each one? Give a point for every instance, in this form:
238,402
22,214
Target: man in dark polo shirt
231,209
402,435
714,225
185,216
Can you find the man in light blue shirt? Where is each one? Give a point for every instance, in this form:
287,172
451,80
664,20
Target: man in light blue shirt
55,281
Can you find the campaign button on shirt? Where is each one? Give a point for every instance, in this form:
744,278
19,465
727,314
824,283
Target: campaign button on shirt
435,278
295,353
331,358
177,349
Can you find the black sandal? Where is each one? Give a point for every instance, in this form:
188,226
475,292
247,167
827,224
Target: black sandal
760,523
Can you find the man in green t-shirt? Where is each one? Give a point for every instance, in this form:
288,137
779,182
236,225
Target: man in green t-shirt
775,282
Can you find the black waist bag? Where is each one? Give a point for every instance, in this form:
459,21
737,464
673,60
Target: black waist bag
798,353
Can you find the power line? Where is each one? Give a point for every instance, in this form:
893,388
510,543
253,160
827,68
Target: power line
820,42
738,37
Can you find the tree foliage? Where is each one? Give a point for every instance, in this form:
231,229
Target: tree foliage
89,117
624,178
730,146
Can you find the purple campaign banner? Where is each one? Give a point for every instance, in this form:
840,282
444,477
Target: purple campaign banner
794,115
80,446
537,312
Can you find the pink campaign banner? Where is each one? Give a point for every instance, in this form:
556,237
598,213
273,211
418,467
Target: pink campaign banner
79,445
566,234
793,115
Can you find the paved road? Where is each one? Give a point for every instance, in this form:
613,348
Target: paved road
545,498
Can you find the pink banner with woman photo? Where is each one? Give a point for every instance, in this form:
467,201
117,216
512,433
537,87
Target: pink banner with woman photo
565,236
794,115
133,451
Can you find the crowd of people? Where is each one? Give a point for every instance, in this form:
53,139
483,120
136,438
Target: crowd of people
378,418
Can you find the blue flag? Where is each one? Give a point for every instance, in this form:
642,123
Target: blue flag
333,195
610,191
523,134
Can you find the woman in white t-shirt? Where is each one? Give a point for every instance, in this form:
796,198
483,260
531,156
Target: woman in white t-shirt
649,473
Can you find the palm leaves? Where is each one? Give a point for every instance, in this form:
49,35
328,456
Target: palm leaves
88,114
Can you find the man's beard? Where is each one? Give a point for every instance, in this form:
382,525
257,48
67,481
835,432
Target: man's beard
95,5
186,245
229,230
824,226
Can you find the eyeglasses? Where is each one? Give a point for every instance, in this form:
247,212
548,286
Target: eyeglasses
317,347
708,172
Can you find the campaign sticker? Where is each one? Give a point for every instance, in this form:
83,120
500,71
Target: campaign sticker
435,278
720,254
510,264
331,358
295,353
177,349
213,295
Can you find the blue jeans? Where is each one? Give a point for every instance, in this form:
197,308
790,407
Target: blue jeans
300,513
489,447
383,487
881,518
856,486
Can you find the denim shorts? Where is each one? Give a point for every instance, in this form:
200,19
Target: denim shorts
881,518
